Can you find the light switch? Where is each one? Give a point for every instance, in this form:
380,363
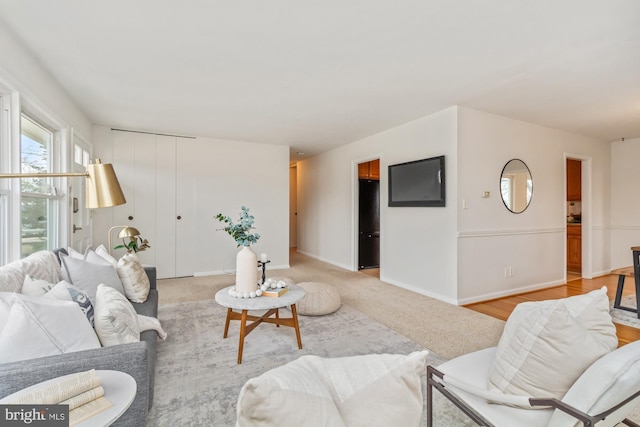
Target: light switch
465,204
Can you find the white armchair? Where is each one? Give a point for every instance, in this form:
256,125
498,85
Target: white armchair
603,395
556,365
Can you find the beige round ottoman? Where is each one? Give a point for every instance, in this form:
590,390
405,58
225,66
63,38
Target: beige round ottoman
320,299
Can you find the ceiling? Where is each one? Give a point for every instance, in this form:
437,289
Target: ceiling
315,75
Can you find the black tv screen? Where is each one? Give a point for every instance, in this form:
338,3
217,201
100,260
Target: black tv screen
417,183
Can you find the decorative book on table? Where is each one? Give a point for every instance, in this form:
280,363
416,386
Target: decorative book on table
83,393
275,292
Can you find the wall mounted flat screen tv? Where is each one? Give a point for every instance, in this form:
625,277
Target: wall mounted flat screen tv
417,183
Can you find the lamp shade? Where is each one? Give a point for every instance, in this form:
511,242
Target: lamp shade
128,232
103,188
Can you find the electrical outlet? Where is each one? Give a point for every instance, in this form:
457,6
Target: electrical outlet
510,271
506,272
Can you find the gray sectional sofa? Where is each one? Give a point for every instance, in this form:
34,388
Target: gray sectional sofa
137,359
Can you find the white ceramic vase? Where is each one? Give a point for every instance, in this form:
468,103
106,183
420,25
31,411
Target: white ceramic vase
246,270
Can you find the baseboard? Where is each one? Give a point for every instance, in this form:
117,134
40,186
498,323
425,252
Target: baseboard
328,261
232,272
419,290
509,292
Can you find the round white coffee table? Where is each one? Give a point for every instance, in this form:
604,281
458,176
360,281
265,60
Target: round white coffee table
271,304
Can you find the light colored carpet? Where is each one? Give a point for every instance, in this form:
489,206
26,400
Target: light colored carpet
447,330
198,379
443,328
623,316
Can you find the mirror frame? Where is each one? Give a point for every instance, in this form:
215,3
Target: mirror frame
530,177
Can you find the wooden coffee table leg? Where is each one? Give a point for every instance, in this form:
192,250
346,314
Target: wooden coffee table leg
226,323
294,313
277,317
243,327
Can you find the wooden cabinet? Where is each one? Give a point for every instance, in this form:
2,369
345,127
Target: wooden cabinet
574,248
574,180
369,170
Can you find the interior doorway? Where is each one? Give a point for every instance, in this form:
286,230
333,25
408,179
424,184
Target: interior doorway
574,218
293,206
369,217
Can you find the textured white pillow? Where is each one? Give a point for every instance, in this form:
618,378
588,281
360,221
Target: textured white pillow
38,327
374,389
42,265
116,321
87,274
65,291
607,382
35,287
547,345
134,279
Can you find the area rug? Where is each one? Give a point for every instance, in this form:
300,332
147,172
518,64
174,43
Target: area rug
197,375
623,316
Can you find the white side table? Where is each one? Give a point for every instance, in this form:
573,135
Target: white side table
119,388
271,304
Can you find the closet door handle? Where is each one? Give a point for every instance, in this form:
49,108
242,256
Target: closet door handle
130,217
179,217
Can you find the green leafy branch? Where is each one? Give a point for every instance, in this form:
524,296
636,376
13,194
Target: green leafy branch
240,230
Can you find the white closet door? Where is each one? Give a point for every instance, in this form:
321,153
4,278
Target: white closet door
195,193
144,213
164,243
124,165
146,168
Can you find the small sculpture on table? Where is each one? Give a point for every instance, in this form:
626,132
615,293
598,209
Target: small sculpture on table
262,263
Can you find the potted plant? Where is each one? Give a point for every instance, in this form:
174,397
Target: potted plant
240,230
246,259
136,244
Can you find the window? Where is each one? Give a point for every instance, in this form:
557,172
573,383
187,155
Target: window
39,201
3,228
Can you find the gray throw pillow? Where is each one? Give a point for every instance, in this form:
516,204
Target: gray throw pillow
88,275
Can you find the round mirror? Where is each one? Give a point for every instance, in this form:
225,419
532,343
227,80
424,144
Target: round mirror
516,185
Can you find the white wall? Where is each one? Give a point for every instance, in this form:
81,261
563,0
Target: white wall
625,217
214,175
21,72
418,249
31,89
533,243
456,254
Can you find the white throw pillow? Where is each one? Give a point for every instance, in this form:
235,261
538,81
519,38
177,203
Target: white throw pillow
104,253
547,345
87,274
75,254
374,389
606,383
116,321
38,327
35,287
6,301
65,291
134,279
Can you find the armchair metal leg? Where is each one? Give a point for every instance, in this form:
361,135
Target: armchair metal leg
468,410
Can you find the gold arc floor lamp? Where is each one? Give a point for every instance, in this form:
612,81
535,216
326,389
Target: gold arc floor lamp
102,189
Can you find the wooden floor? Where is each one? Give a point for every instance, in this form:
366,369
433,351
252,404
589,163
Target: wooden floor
502,307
